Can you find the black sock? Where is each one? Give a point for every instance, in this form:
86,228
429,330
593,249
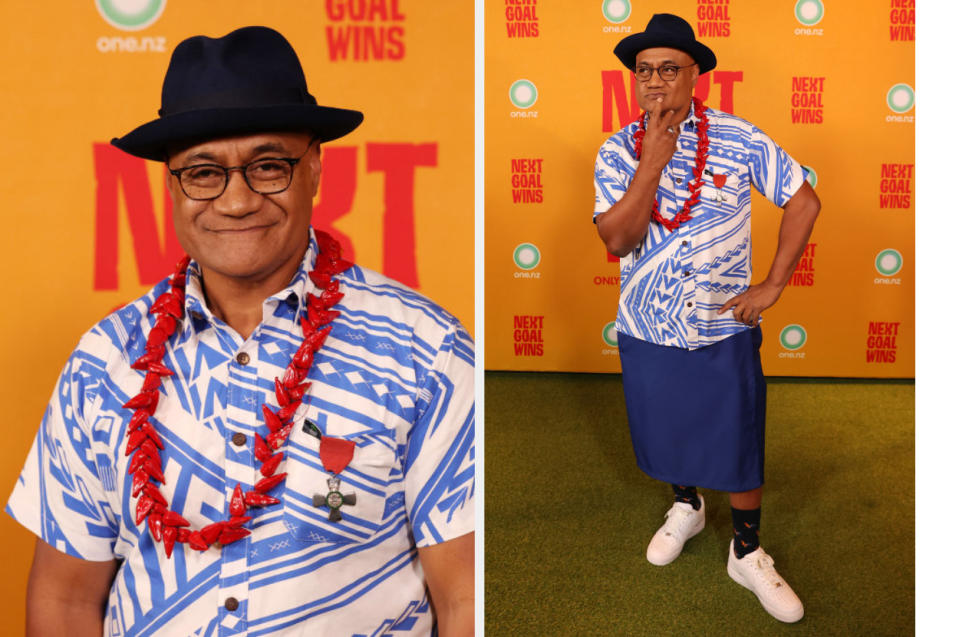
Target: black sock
746,528
687,495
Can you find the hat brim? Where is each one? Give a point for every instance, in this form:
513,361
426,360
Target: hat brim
629,46
151,140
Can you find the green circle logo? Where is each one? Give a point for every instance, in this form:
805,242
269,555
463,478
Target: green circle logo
811,177
888,262
609,334
809,12
901,98
526,256
522,93
792,337
130,15
616,11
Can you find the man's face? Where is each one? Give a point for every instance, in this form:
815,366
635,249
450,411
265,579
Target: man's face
241,234
677,93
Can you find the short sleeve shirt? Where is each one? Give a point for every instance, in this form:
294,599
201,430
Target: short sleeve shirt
673,283
395,376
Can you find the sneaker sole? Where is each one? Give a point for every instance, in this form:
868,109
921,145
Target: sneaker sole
783,617
696,529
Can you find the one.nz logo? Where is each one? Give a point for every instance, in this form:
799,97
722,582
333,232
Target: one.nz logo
809,12
526,256
616,11
888,262
792,337
901,98
130,15
522,93
610,337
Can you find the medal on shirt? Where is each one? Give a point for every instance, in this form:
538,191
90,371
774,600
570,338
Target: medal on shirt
719,181
335,454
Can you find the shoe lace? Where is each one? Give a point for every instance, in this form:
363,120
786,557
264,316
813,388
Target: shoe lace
764,565
676,518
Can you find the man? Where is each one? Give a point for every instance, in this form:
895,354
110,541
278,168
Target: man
673,202
273,440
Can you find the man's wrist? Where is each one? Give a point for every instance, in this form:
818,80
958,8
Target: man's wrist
776,283
647,174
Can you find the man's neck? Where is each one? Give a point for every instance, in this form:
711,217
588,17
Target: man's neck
680,117
238,302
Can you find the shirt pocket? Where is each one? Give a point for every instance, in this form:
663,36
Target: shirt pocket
372,499
721,188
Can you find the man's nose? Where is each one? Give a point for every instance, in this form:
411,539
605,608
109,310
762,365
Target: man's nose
655,79
237,200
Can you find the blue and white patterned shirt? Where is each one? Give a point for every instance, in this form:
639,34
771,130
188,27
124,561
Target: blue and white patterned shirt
673,283
395,376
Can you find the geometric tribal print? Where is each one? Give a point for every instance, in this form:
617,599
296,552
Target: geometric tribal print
673,283
395,376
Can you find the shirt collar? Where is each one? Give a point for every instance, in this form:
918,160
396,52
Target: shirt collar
198,315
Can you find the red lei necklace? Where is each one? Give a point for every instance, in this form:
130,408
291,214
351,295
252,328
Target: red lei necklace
702,148
145,444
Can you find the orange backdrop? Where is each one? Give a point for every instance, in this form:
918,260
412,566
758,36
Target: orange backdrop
86,226
832,82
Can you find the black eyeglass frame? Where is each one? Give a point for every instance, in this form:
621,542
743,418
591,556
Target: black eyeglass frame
659,71
292,161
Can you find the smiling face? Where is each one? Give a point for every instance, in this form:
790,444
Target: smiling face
242,235
677,93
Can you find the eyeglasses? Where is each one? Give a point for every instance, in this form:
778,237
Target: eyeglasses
268,176
667,72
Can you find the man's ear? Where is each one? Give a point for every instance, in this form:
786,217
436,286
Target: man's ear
170,180
316,164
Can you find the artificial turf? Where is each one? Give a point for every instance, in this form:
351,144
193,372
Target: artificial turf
568,515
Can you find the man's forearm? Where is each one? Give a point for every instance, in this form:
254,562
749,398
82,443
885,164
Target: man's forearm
796,226
448,567
456,619
624,225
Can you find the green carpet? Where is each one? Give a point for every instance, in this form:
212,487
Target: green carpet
568,515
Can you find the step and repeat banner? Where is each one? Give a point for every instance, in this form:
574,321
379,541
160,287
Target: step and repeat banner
89,228
832,82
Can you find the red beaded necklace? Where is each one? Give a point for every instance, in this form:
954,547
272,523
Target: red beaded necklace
702,148
145,444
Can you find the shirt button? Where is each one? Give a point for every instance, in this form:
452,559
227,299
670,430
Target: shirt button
242,358
690,304
292,301
231,604
685,273
685,243
679,181
239,439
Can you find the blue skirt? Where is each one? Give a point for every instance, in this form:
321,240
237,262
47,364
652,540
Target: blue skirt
697,417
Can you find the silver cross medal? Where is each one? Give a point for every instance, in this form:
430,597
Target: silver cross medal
719,181
334,499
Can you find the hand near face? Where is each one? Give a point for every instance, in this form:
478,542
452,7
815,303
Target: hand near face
659,144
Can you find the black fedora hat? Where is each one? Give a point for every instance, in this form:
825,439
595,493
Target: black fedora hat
667,30
248,81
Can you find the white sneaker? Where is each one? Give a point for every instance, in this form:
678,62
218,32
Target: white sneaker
755,571
682,523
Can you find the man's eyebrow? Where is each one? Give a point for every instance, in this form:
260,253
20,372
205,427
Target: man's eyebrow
268,147
192,157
